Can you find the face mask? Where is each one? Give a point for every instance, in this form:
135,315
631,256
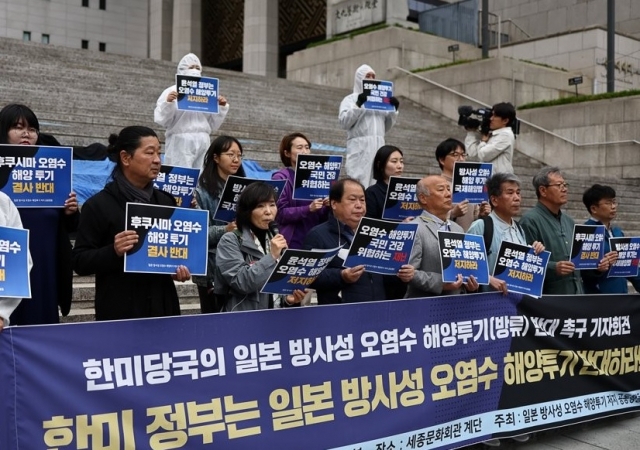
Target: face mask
193,73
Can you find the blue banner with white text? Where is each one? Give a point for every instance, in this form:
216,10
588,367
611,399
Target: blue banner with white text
36,177
440,372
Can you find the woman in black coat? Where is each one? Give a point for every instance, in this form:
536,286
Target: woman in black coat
102,240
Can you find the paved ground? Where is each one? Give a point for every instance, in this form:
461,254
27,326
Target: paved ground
613,433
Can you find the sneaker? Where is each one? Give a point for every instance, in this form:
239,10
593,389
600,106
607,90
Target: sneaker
492,443
522,438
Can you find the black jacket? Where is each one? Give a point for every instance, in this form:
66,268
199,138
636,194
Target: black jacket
119,295
329,283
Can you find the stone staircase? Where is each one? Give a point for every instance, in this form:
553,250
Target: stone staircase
82,96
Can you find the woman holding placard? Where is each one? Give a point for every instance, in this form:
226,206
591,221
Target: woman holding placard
388,162
247,256
296,217
51,277
102,240
224,158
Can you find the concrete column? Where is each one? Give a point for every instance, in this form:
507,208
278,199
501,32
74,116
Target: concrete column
187,28
160,29
260,40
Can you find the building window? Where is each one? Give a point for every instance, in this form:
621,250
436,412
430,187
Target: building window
102,47
103,4
44,39
26,35
85,3
85,44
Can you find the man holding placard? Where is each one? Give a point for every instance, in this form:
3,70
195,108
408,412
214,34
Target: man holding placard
187,135
337,284
546,223
504,195
365,127
602,205
434,195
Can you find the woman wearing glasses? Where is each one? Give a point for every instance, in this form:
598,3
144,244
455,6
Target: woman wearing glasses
51,276
296,217
223,158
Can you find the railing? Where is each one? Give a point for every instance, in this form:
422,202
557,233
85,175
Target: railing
532,125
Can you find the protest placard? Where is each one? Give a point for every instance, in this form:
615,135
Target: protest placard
233,187
197,94
463,254
14,263
627,263
381,246
297,269
378,94
587,247
468,181
179,182
168,237
36,177
521,268
401,200
314,176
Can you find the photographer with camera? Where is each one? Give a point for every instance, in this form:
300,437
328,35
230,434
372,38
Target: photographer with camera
493,141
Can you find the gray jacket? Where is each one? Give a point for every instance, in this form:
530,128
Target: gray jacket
425,257
241,271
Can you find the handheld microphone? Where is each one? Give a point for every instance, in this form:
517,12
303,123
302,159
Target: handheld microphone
274,228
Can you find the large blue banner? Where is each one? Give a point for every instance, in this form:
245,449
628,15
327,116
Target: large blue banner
442,372
36,177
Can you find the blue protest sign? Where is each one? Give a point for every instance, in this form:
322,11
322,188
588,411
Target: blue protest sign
14,263
179,182
198,94
521,268
588,246
381,246
297,269
627,263
168,237
314,176
463,254
36,177
468,181
233,187
401,200
378,94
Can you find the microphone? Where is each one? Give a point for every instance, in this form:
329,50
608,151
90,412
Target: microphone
274,228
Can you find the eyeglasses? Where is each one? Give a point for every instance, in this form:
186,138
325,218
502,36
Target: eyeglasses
20,129
232,156
458,154
559,185
612,202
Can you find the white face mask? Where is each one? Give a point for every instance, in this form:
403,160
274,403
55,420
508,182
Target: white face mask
193,73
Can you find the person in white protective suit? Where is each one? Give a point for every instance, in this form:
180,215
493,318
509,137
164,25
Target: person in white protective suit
365,128
187,135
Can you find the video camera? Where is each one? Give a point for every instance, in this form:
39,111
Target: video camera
479,119
474,118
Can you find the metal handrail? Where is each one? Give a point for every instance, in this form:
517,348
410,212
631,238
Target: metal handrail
517,26
532,125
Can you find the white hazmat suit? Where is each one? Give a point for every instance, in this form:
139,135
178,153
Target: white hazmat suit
365,130
187,135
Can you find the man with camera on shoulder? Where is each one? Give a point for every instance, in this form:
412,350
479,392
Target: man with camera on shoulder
496,146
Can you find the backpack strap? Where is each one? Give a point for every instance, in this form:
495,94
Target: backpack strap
488,233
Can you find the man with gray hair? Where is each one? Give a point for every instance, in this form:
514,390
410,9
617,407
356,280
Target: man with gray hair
434,195
546,223
503,190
